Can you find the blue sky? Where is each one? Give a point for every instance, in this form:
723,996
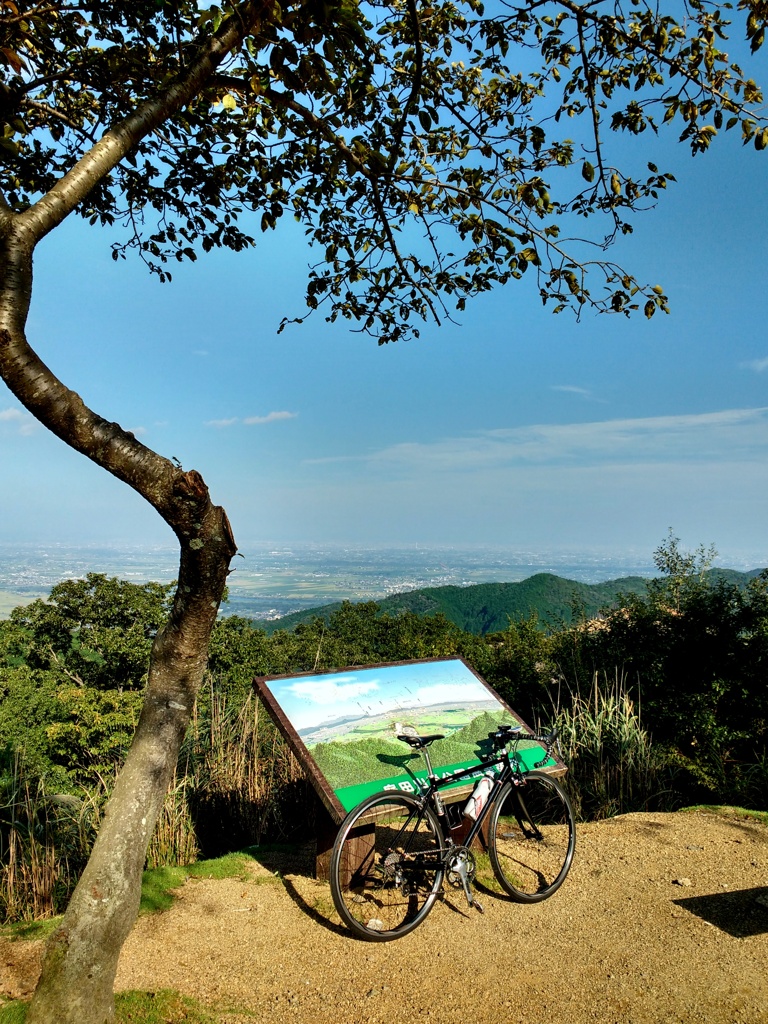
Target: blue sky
515,428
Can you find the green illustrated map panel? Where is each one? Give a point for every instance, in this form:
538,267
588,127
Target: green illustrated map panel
347,722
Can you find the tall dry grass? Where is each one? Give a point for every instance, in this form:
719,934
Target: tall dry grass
44,844
236,784
246,783
614,767
174,840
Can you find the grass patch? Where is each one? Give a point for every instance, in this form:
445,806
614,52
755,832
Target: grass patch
485,876
29,931
157,884
163,1007
726,811
157,890
13,1013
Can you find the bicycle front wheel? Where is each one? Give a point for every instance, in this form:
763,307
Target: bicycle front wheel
386,866
532,838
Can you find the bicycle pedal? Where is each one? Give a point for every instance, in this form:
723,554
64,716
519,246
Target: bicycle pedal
476,903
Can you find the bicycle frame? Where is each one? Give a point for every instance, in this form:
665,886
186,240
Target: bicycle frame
430,796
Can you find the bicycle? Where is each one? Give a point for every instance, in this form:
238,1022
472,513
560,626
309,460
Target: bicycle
394,850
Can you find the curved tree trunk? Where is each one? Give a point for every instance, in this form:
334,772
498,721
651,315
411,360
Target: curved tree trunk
76,986
82,954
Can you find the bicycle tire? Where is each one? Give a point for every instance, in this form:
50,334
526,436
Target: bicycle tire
532,838
386,866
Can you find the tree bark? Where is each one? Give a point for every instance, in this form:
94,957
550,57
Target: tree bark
82,954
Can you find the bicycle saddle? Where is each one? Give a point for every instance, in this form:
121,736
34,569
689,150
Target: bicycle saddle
417,742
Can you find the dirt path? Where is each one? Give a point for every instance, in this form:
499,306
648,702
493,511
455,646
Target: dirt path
664,918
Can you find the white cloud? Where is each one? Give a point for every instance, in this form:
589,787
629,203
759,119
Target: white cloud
250,421
331,692
271,417
219,424
572,389
459,692
27,424
758,365
726,435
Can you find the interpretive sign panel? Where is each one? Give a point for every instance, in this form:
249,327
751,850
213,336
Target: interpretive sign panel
342,725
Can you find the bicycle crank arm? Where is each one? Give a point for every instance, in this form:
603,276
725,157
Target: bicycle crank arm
459,869
472,900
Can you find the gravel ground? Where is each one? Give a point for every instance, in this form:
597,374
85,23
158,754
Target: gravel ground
663,918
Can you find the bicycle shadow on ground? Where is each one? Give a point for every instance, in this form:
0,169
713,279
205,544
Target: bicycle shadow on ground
317,911
741,913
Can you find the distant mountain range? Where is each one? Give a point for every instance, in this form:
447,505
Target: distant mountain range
489,607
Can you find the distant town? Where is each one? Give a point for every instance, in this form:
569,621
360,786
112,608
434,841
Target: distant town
272,581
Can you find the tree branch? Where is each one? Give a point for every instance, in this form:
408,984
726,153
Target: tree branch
45,108
397,141
589,80
320,125
66,194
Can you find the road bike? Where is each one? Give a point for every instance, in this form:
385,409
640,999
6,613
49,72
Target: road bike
395,850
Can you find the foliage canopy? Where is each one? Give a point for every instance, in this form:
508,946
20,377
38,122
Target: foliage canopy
691,652
420,146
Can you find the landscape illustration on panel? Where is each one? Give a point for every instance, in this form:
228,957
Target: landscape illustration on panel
348,721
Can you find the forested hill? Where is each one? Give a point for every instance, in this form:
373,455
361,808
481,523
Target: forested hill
488,607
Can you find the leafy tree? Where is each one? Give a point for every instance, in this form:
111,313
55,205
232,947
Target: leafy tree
72,669
28,707
682,572
693,653
419,145
92,730
359,634
237,653
522,670
97,631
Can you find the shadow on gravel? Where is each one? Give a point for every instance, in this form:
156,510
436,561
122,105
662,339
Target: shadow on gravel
312,911
741,913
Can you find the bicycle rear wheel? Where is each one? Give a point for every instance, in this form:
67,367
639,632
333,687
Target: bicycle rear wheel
386,866
532,838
